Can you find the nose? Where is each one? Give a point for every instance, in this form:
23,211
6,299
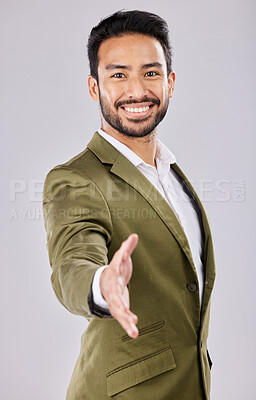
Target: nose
136,88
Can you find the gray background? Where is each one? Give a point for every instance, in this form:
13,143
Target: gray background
47,117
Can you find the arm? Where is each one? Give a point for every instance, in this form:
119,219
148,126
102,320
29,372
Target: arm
79,228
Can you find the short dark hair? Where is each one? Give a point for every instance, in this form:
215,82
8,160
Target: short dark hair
128,22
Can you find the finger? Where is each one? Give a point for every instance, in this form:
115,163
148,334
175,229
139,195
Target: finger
118,303
130,328
125,250
124,272
126,319
119,310
129,245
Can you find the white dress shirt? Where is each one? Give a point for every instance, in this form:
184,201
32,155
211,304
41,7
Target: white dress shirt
165,181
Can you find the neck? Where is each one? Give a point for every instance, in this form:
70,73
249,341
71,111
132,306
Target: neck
144,147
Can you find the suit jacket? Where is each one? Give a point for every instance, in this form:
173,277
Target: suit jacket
91,204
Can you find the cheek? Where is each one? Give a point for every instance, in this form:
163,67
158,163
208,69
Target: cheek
160,91
165,94
165,91
109,93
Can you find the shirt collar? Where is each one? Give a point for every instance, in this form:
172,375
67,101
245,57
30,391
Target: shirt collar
163,154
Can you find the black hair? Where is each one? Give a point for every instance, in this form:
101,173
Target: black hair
128,22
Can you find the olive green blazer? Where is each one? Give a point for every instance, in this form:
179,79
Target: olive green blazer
91,204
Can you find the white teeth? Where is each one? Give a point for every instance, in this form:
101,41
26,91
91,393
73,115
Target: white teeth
137,110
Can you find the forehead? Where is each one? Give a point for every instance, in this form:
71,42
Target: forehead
130,49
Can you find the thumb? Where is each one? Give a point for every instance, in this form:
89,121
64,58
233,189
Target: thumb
122,266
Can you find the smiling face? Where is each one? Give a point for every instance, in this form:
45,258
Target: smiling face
133,88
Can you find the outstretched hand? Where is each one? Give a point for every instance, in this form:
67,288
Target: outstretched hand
113,285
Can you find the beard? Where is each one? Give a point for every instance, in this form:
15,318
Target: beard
145,129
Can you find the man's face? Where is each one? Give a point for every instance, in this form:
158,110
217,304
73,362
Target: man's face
133,88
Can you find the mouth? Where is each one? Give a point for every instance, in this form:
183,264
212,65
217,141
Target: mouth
140,110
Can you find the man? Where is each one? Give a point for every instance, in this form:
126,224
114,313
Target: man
128,238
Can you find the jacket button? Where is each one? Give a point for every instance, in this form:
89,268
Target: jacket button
192,287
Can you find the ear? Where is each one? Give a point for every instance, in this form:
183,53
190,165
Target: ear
171,83
93,88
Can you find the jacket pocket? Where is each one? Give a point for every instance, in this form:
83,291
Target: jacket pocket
146,329
140,370
209,359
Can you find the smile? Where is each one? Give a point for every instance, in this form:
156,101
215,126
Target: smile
138,111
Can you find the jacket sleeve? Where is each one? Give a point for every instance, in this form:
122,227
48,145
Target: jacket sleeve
79,229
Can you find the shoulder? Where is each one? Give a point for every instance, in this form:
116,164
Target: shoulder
77,171
83,164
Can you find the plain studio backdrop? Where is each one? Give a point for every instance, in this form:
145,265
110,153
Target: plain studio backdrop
47,117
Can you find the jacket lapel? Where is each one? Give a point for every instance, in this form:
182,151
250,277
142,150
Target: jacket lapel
125,170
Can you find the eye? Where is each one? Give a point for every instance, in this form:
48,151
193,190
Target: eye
118,75
152,73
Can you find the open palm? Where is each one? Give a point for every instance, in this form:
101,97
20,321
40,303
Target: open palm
114,288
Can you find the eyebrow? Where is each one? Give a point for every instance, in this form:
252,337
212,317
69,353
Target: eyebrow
128,67
117,66
154,64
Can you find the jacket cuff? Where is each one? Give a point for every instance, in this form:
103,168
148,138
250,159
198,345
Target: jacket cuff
95,309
